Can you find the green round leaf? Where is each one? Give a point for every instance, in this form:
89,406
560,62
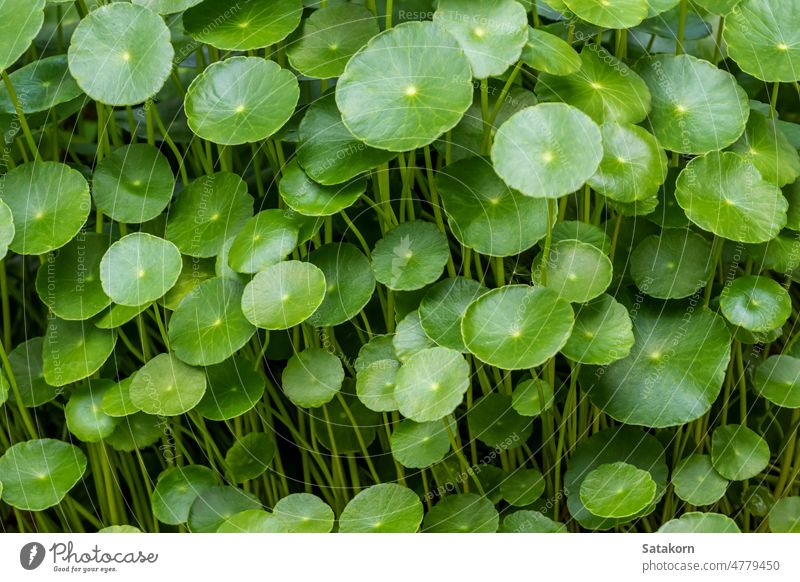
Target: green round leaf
303,195
384,508
603,333
696,482
251,24
263,241
329,37
84,412
528,521
738,453
410,338
492,33
134,184
28,370
710,190
124,529
719,7
241,100
233,389
209,326
462,513
20,22
250,456
417,445
523,487
762,39
671,265
442,309
120,54
494,422
764,144
68,282
49,203
548,53
208,212
517,327
617,490
37,474
784,517
327,151
410,256
137,431
613,445
532,396
118,315
73,351
650,387
350,283
312,378
5,388
583,232
634,166
6,228
375,385
696,107
577,271
176,490
165,386
610,13
117,401
214,506
696,522
778,380
485,214
40,85
604,88
547,150
408,86
304,513
283,295
755,303
251,521
167,6
139,268
431,384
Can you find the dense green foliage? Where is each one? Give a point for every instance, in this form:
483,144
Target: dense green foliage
400,265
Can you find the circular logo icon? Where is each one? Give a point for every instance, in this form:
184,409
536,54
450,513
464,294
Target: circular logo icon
31,555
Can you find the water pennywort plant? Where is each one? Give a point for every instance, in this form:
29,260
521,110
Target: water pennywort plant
398,266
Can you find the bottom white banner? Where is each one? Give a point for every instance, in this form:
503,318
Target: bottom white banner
387,557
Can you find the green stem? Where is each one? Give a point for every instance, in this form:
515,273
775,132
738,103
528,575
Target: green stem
148,120
783,485
361,443
23,412
459,453
504,93
682,13
773,104
548,241
23,121
716,254
181,158
436,205
485,115
6,307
